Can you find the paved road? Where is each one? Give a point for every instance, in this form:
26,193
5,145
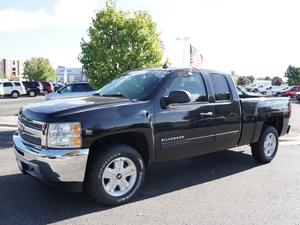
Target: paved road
10,107
221,188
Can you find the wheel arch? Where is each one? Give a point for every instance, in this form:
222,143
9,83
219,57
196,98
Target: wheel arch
137,140
276,122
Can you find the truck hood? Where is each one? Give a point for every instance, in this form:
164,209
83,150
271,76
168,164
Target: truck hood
45,111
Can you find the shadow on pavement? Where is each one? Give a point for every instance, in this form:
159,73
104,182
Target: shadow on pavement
6,139
25,201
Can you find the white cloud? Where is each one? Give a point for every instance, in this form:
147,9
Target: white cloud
13,20
66,13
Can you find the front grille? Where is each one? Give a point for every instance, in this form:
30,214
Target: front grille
30,131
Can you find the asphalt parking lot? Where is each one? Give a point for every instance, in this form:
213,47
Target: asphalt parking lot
228,187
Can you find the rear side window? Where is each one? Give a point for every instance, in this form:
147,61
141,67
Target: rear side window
194,84
7,84
220,86
17,84
79,88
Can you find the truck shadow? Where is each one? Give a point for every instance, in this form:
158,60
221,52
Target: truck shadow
6,139
25,201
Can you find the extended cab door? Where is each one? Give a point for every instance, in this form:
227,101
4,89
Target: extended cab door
185,129
227,111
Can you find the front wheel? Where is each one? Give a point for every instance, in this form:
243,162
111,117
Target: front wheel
265,149
15,94
115,175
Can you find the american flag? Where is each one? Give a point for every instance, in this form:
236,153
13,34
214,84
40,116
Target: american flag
162,45
196,58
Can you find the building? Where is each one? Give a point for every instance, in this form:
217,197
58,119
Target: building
11,69
64,74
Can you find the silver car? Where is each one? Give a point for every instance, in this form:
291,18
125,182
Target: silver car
80,89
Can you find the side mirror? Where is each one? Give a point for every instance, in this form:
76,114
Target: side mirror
179,96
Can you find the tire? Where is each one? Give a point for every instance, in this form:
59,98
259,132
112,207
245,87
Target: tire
265,149
45,92
255,90
32,93
15,94
108,166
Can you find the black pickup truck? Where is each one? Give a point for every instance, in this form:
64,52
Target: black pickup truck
104,143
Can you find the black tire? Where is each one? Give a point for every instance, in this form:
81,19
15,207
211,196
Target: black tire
15,94
45,92
255,90
102,160
259,152
32,93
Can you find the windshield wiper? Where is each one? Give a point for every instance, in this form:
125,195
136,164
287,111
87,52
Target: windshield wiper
117,95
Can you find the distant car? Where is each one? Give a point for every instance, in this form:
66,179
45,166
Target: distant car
298,96
33,88
245,94
80,89
57,86
47,87
291,92
13,89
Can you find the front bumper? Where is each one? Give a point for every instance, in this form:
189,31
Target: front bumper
63,168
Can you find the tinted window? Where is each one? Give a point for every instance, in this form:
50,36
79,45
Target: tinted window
17,84
89,88
220,86
7,84
79,88
193,84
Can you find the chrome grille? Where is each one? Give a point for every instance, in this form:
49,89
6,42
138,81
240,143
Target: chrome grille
31,132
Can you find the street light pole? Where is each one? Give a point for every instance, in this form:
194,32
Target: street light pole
184,40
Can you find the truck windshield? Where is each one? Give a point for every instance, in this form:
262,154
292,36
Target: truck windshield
135,85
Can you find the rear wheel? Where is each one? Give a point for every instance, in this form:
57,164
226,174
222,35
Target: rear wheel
15,94
45,92
115,175
32,93
265,149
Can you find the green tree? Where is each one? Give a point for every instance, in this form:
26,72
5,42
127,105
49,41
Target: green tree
267,78
242,80
38,68
277,81
293,75
251,78
119,41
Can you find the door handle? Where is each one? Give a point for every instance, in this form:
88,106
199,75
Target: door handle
206,114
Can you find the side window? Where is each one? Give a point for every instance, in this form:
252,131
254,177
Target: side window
89,88
220,86
194,84
17,84
65,89
7,84
79,88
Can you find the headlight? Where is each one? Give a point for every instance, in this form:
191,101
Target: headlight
64,135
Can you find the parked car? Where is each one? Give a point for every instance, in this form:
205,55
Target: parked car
47,87
245,94
33,88
106,141
73,90
57,85
298,96
273,91
13,89
290,92
260,85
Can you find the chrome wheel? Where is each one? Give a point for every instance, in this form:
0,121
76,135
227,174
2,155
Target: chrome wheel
15,94
31,93
270,144
119,176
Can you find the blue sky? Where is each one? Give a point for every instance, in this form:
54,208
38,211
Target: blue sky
250,37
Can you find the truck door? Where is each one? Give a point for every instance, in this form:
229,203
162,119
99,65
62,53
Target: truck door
227,111
185,129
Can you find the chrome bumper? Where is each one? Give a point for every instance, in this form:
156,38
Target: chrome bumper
64,168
